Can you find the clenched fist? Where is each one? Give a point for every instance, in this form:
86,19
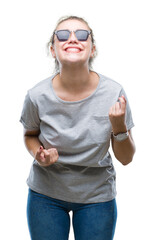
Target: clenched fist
46,157
117,116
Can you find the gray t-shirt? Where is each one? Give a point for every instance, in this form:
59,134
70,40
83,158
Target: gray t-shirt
81,132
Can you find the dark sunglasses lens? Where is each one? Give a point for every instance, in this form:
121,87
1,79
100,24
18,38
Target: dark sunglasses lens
82,35
63,35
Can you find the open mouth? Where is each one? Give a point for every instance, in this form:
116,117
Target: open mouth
73,49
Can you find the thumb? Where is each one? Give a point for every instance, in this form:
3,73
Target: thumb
122,102
41,153
41,149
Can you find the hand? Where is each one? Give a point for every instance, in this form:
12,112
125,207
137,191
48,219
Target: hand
117,116
46,157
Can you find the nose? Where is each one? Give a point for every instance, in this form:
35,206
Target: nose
72,37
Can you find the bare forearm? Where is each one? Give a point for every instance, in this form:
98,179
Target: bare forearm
32,144
124,150
44,157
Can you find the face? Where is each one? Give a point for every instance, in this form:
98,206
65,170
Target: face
72,51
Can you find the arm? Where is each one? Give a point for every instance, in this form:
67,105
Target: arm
124,150
34,146
32,142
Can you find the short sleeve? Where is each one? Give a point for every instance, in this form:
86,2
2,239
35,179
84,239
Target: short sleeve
128,119
29,116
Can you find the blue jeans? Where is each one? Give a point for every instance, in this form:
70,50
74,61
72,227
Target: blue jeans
49,219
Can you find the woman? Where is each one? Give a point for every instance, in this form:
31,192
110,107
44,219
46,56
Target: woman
69,120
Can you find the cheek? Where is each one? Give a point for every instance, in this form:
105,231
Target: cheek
89,47
57,51
89,50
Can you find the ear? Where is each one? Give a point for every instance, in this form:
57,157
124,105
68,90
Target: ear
53,52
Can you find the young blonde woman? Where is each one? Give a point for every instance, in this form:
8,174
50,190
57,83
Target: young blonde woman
69,120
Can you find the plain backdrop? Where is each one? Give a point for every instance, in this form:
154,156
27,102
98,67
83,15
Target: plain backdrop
125,39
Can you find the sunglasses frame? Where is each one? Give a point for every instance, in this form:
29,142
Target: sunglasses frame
88,33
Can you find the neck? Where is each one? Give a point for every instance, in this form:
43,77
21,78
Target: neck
74,78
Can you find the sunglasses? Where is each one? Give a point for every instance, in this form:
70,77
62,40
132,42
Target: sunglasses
81,35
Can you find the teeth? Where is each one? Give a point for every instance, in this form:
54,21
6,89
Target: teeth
72,50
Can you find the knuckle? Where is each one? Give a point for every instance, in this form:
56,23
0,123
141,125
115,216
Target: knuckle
122,114
46,153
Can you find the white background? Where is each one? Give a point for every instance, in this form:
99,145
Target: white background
124,33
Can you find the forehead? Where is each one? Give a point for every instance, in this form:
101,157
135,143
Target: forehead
72,24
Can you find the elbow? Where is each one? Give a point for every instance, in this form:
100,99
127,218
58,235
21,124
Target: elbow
129,159
125,162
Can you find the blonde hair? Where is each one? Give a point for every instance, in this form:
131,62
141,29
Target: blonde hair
51,41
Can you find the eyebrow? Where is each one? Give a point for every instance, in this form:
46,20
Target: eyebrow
72,30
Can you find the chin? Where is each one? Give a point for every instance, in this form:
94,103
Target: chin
73,61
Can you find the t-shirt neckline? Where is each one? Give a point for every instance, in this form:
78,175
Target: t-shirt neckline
74,102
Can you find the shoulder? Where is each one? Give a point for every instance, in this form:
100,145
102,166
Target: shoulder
109,82
40,89
109,86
